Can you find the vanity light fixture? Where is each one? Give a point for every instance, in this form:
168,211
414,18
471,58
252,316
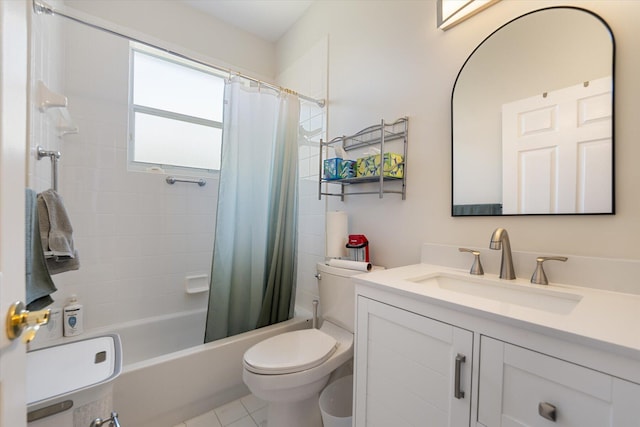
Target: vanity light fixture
452,12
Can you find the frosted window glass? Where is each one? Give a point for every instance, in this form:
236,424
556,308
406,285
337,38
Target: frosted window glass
164,141
170,86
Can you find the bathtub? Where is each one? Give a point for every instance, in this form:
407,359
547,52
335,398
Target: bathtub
148,338
162,390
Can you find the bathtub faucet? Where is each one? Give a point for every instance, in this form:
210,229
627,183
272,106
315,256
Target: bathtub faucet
113,421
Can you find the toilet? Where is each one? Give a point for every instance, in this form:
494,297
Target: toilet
288,371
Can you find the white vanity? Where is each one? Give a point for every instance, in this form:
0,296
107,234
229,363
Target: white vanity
436,346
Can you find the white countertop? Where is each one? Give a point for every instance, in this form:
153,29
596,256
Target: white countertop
606,317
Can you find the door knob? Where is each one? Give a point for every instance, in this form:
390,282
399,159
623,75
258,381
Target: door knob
20,319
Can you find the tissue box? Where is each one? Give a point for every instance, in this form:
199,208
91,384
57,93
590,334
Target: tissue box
370,166
331,168
347,169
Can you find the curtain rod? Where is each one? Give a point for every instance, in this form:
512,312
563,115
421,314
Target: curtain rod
41,7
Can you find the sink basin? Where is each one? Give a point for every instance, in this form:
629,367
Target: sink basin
530,296
66,368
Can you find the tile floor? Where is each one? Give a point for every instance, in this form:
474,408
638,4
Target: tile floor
248,411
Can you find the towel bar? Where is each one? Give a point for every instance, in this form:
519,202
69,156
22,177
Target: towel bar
54,156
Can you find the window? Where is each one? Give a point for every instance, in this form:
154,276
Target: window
175,113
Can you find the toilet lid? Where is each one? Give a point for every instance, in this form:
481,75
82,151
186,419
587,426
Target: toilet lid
290,352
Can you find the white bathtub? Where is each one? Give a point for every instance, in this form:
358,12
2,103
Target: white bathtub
164,390
149,338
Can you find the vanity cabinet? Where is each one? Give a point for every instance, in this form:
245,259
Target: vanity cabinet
520,387
419,362
410,370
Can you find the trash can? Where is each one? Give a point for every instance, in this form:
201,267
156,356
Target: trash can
336,403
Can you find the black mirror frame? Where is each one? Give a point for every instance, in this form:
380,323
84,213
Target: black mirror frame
613,69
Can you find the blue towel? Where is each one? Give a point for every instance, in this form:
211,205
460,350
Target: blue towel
39,285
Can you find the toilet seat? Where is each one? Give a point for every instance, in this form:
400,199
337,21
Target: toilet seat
290,352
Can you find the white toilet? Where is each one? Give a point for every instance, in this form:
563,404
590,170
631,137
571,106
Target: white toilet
289,370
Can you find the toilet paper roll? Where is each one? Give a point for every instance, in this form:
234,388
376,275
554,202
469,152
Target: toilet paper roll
337,234
351,265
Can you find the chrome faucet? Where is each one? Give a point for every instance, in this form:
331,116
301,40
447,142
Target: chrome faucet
500,240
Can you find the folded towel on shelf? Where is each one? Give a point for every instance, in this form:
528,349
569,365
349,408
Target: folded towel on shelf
56,233
39,285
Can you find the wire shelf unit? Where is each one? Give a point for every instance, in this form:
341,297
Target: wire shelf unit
376,136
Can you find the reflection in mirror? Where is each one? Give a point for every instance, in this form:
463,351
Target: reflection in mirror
532,118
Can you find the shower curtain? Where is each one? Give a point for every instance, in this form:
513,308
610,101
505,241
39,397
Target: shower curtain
254,257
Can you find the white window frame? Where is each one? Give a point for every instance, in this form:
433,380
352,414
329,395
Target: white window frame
138,166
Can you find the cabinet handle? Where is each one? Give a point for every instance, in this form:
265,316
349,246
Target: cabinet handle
547,410
457,393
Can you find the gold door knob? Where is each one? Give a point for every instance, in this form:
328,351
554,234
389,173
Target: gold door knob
19,319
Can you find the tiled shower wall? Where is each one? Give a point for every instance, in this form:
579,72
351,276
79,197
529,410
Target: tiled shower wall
137,236
47,57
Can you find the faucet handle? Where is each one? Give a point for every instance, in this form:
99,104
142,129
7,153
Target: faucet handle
476,268
538,277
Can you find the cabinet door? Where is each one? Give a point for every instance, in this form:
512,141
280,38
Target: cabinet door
406,369
515,381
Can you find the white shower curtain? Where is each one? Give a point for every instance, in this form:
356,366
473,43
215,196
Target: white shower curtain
259,138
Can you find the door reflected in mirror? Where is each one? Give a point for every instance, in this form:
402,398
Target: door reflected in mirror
532,118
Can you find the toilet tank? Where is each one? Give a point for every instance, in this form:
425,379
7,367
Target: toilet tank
337,295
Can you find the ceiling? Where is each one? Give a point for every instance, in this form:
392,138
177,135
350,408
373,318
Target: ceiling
267,19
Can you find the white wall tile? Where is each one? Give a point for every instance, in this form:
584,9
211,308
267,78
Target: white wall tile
310,209
138,236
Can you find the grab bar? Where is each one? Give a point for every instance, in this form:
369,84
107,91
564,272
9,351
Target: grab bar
172,180
54,156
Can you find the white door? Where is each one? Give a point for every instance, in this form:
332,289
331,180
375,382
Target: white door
405,369
557,151
13,93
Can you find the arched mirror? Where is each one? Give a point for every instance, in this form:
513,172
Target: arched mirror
532,118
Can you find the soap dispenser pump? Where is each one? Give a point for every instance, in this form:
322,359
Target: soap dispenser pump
72,314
